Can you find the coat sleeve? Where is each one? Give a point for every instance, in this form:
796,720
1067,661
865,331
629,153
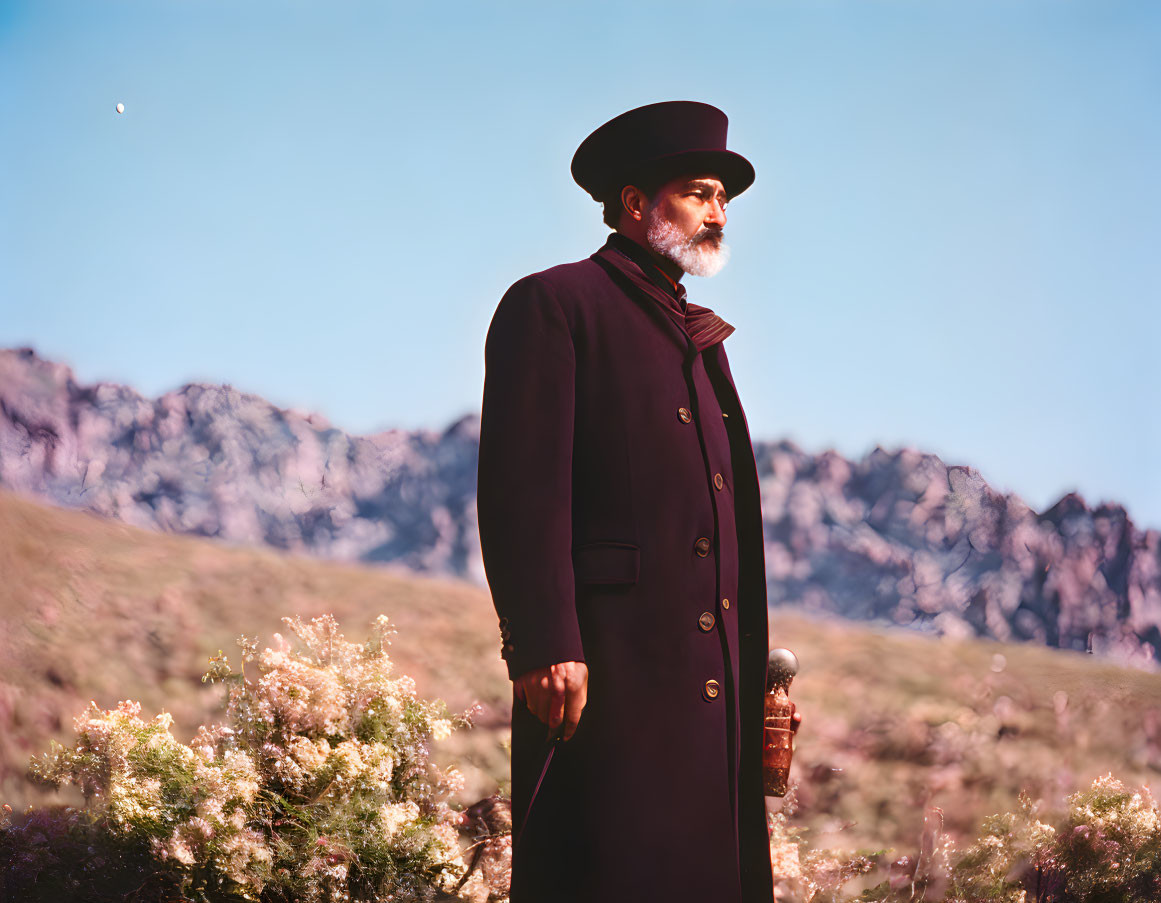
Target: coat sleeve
524,482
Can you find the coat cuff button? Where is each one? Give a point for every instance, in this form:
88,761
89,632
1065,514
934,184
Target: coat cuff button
702,546
711,690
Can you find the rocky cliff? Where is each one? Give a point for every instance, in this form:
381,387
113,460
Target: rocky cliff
896,537
214,461
902,538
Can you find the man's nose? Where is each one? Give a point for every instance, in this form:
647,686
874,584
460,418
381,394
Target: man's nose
717,214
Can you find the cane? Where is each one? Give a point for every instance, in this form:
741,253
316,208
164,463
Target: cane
553,740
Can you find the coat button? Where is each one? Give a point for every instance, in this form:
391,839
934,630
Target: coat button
702,546
718,481
683,415
725,603
706,621
711,689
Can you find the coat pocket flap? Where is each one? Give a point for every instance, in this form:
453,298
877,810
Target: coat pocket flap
606,562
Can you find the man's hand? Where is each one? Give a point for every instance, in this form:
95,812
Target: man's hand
556,694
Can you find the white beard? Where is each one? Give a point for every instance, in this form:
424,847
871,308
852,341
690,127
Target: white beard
700,255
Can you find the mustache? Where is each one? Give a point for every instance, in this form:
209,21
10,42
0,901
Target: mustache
705,233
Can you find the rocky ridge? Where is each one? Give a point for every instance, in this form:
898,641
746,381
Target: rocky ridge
210,460
895,537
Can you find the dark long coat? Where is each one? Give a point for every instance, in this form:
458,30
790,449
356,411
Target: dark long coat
620,524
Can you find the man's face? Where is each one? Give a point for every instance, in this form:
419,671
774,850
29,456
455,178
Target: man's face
686,219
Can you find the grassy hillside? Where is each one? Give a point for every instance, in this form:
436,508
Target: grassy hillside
900,721
92,609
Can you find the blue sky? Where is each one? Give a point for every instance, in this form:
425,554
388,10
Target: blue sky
952,242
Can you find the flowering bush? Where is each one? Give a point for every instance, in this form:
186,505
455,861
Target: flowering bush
316,787
1107,850
802,873
1111,844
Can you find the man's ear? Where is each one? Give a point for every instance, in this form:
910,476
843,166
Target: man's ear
634,202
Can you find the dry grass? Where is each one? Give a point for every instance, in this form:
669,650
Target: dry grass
894,721
898,722
93,609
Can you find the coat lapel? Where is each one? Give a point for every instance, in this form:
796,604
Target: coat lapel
641,290
732,403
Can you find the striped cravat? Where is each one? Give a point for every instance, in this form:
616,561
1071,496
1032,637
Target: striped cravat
703,325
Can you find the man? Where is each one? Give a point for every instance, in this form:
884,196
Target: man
621,531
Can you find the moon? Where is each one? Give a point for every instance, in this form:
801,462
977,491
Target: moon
120,108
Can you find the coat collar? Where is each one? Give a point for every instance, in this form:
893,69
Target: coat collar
687,323
633,281
652,272
650,295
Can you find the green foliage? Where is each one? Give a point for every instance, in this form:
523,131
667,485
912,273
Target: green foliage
1009,844
1110,847
1106,850
316,788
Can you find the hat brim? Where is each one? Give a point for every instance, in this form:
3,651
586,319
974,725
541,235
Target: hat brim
735,171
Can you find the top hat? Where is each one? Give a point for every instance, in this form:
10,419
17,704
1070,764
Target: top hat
660,140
